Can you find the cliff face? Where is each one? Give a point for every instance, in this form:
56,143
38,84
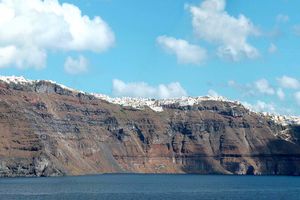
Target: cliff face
48,130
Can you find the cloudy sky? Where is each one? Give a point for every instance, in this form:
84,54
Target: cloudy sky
243,50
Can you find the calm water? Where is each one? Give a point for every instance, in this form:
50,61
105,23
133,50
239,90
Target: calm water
125,187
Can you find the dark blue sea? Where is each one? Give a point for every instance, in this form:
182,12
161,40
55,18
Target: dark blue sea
175,187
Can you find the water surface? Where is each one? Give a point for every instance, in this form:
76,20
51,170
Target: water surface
175,187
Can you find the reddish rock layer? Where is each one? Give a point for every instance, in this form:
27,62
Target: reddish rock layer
46,130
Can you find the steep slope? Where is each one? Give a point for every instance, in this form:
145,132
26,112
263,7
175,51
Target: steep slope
47,129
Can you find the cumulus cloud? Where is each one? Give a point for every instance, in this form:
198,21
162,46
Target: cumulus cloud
261,106
185,52
297,97
264,87
281,18
22,57
280,93
29,29
213,24
231,83
272,48
142,89
261,86
296,29
76,65
245,89
213,93
288,82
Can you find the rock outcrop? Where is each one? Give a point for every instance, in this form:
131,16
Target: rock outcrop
49,130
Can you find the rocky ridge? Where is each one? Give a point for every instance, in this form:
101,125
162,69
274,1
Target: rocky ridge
154,104
47,129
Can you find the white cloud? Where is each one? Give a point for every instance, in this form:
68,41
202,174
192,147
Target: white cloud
213,93
297,97
76,65
261,86
261,106
244,89
288,82
264,87
142,89
296,29
231,83
31,28
185,52
212,23
272,48
21,58
281,18
280,93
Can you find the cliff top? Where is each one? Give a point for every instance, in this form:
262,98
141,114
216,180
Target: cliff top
154,104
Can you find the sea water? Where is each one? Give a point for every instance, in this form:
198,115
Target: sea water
131,186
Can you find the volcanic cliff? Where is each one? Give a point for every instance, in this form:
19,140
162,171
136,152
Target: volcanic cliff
47,129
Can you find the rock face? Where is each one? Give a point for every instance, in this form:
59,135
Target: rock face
48,130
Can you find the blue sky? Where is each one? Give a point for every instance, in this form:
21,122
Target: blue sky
243,50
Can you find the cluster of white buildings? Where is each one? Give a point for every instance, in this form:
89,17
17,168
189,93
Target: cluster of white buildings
156,104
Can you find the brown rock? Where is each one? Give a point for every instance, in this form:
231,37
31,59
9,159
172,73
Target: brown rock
46,130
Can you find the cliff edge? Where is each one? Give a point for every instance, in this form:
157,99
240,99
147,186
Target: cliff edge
47,129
